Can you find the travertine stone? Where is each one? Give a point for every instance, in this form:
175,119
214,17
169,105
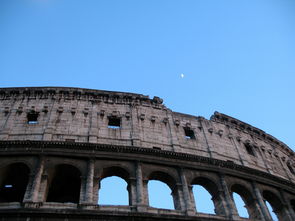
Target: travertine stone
72,130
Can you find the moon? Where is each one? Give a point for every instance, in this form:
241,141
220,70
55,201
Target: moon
182,75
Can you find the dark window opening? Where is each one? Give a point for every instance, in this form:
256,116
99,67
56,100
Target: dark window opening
293,204
291,169
114,123
189,133
13,182
157,148
32,117
249,149
65,185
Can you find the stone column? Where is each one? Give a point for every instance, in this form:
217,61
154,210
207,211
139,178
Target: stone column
93,127
145,193
220,203
201,119
189,204
83,180
43,187
192,198
288,211
141,189
255,210
229,203
96,187
31,194
89,183
173,134
265,213
132,191
135,130
178,197
28,193
236,146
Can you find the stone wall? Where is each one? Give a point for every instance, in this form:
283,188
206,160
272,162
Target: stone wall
46,127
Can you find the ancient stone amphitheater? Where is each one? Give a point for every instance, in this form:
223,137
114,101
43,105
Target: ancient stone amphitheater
57,144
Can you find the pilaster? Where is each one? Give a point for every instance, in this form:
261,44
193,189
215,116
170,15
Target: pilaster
189,204
141,189
228,200
32,191
265,213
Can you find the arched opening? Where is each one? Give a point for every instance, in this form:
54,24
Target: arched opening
113,191
271,211
244,202
240,205
162,191
13,182
274,205
64,184
160,195
114,187
211,196
203,200
290,168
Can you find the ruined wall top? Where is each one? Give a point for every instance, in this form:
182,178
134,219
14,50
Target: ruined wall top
76,115
76,93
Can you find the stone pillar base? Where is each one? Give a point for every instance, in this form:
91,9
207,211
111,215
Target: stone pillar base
141,208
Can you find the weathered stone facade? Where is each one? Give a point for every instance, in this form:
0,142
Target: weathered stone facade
87,135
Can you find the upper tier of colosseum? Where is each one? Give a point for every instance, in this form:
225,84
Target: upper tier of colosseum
128,119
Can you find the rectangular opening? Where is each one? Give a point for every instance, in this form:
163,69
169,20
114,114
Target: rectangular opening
157,148
249,149
189,133
114,123
70,140
32,117
291,169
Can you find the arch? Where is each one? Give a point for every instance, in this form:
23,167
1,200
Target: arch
64,184
168,180
240,205
247,198
213,190
115,173
203,200
14,179
113,191
55,162
275,203
163,177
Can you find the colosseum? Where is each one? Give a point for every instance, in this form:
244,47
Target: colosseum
57,144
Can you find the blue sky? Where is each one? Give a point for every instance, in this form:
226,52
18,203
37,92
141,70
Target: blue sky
237,57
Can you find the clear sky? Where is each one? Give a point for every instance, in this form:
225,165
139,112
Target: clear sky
236,57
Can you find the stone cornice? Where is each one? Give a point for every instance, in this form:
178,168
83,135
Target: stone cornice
68,93
5,145
240,125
